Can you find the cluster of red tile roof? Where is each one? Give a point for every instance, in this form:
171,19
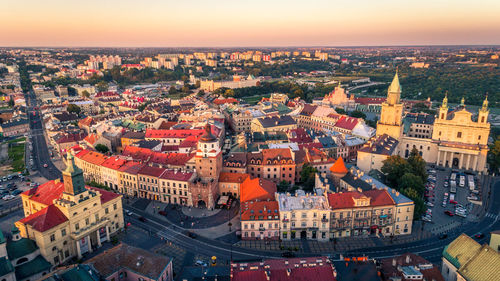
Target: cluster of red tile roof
345,200
278,154
146,155
106,94
295,269
45,193
51,216
91,139
347,122
173,174
114,163
260,208
257,189
45,219
368,101
92,157
233,177
87,121
71,138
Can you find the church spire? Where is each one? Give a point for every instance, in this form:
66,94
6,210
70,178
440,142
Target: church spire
462,102
485,104
395,87
445,100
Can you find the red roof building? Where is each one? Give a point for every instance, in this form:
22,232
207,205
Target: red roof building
294,269
257,189
45,219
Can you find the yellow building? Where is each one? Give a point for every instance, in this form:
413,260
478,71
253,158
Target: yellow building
458,139
495,240
67,219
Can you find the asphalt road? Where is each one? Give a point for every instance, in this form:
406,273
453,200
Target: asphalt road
40,149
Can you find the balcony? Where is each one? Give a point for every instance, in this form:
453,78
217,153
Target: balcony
324,220
262,228
285,220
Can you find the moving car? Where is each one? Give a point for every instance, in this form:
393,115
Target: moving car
143,219
443,236
449,213
45,165
479,235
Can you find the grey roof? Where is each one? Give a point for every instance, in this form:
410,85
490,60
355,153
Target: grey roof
268,122
383,144
134,135
15,122
347,271
327,141
148,144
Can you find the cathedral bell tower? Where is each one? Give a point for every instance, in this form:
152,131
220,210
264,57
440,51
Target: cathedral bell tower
391,114
483,112
443,109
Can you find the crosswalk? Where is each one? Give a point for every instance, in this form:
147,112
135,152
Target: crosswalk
492,216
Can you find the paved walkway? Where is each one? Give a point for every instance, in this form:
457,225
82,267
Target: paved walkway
199,212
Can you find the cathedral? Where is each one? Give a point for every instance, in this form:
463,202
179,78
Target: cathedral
454,138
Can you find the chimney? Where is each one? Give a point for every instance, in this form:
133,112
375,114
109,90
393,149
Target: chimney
408,259
393,262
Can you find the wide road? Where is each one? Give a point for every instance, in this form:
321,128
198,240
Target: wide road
431,248
41,154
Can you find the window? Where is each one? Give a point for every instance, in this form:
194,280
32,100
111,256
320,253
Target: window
77,226
87,221
63,232
52,237
459,134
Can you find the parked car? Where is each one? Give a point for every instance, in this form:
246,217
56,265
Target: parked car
443,236
479,235
449,213
200,263
453,202
192,234
143,219
163,213
45,165
128,213
8,197
17,192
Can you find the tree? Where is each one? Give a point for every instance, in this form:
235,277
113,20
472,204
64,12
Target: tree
417,200
86,94
11,102
283,186
172,90
101,148
410,180
308,176
394,168
417,164
228,93
494,156
340,110
102,86
201,93
357,114
73,108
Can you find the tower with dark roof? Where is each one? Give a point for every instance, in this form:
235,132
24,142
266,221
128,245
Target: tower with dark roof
73,177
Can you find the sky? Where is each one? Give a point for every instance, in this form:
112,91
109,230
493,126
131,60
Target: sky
225,23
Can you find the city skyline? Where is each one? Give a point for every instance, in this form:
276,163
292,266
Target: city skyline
228,24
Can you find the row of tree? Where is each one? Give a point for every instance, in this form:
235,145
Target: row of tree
408,177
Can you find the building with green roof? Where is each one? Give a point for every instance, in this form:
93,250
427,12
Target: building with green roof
20,259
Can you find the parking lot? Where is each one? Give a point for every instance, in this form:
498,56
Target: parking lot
445,209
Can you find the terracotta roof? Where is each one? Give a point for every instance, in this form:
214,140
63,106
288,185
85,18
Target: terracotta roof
276,154
92,157
91,139
257,189
45,219
174,174
137,153
233,177
347,122
151,171
71,138
45,193
260,208
114,163
294,269
379,197
339,167
105,195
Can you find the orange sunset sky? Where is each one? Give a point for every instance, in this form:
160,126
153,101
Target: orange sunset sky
165,23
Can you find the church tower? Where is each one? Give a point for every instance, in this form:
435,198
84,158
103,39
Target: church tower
443,109
483,112
391,114
73,178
